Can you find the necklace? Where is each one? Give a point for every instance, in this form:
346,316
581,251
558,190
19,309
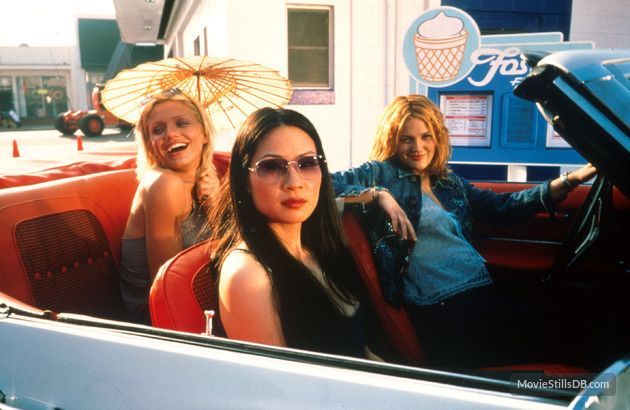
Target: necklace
425,185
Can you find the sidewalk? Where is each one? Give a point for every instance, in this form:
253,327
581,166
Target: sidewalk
26,128
36,162
41,148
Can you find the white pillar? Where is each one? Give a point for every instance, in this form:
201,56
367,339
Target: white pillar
517,173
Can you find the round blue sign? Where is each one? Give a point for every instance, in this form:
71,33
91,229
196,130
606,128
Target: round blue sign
438,46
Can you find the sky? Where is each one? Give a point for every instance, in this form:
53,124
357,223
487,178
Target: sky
42,23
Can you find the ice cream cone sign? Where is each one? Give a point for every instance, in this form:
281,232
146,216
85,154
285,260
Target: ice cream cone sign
438,46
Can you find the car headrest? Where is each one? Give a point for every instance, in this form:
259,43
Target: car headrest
182,289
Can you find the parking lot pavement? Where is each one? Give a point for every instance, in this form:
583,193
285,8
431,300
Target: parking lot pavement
40,149
46,148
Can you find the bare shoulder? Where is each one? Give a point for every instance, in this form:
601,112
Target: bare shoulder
161,197
246,301
242,272
161,179
166,189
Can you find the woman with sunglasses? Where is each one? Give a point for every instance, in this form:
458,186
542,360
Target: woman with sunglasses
176,177
286,277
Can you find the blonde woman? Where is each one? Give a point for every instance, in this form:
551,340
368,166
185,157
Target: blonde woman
177,179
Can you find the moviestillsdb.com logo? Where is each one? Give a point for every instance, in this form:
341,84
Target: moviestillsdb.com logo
604,383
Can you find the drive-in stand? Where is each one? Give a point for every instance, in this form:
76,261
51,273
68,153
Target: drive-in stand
495,135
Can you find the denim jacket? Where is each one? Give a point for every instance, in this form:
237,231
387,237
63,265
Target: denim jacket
458,196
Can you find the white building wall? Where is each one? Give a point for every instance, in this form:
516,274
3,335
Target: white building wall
257,31
406,12
63,61
369,72
378,71
369,68
605,22
334,121
76,84
216,25
187,23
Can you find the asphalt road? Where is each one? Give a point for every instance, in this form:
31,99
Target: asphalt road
45,148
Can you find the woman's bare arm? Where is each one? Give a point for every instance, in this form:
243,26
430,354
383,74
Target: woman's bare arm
561,186
166,203
246,303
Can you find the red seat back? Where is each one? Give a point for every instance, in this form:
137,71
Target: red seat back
66,171
184,286
182,290
399,334
61,242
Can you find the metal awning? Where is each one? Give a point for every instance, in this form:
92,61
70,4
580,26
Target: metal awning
143,21
97,41
102,49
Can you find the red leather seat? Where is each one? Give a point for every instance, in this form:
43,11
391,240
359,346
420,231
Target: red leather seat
61,245
184,286
182,290
399,334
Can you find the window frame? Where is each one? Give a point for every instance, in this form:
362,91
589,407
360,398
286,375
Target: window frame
197,46
315,95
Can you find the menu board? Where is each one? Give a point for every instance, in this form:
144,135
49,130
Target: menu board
554,140
468,119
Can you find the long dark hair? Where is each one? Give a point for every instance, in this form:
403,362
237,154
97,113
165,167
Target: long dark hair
308,316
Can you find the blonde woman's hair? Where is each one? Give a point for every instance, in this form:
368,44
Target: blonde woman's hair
146,158
394,116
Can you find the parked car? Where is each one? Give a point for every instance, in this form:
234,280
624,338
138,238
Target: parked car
67,344
92,122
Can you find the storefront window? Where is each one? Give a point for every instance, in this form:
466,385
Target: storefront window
56,98
43,97
6,94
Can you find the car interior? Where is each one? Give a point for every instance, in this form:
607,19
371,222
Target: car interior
63,255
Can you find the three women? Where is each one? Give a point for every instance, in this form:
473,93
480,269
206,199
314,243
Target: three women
285,274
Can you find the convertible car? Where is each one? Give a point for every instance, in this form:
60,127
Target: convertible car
68,344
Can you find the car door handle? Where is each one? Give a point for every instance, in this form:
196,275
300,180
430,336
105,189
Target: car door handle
558,216
562,216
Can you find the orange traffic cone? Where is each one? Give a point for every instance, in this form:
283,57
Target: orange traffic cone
16,151
79,143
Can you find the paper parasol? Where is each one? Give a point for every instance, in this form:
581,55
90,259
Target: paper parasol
229,89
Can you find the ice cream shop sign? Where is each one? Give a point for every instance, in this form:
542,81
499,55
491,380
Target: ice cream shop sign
442,47
471,77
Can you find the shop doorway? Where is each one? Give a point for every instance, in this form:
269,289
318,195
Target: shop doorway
6,102
42,98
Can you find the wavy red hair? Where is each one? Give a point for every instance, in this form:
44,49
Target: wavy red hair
394,116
